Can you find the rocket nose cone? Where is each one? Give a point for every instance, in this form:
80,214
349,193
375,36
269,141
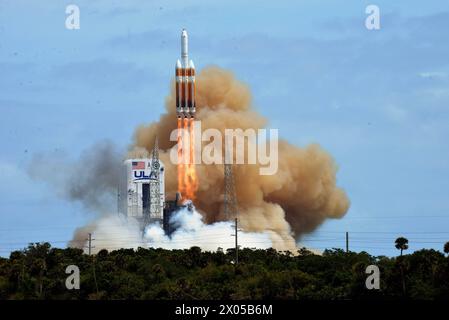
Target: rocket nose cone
184,33
178,64
191,65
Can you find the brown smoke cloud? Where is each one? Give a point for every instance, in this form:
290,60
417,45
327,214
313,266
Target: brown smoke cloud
295,201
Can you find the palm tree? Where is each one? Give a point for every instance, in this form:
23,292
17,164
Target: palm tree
446,248
401,243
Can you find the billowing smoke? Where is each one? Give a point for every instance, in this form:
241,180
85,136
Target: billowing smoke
279,208
109,232
91,180
112,233
295,201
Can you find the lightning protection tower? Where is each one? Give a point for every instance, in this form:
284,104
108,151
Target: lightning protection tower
230,197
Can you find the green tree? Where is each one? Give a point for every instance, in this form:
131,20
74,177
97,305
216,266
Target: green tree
36,260
38,272
401,243
446,248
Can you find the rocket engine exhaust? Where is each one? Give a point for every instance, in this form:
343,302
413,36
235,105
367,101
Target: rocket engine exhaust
295,201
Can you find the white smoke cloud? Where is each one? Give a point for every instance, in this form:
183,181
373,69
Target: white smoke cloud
192,231
112,233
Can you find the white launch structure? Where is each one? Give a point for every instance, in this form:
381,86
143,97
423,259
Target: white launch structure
142,190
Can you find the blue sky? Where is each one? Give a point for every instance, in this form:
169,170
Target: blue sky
378,101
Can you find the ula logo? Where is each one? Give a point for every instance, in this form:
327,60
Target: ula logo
140,175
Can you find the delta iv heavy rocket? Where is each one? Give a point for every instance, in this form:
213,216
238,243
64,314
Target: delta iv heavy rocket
185,82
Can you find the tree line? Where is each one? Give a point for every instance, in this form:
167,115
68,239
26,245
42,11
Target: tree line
38,272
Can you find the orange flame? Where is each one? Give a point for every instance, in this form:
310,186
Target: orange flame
187,178
181,187
193,180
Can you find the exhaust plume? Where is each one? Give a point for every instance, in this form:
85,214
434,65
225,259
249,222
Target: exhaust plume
279,208
295,201
91,180
113,233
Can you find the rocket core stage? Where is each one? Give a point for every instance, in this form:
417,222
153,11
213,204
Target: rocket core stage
185,82
185,111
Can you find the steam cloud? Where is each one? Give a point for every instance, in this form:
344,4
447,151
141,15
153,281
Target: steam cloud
113,233
282,207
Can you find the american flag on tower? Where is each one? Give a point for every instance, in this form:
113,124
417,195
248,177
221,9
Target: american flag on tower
138,165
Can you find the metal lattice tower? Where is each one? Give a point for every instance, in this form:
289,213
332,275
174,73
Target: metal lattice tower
155,211
230,197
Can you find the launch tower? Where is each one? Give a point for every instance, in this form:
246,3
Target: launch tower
142,189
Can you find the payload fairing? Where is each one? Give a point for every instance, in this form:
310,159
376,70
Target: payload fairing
185,82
